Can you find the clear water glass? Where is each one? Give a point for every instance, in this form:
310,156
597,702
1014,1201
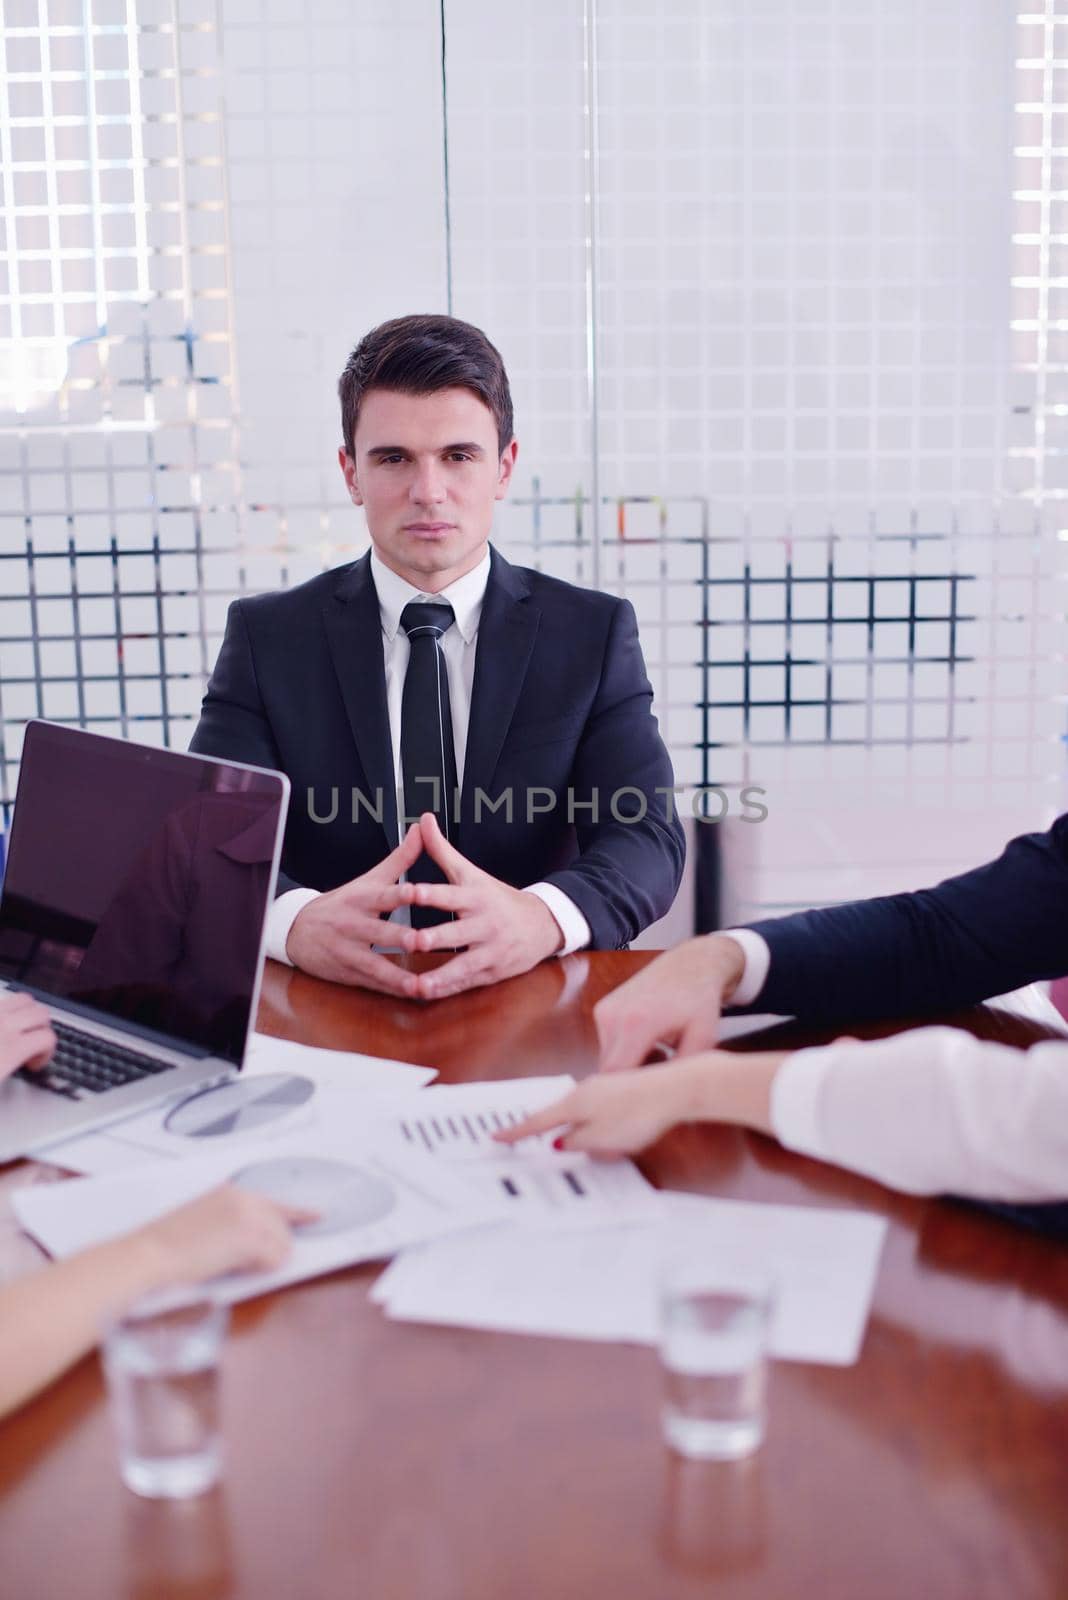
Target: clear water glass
162,1366
714,1322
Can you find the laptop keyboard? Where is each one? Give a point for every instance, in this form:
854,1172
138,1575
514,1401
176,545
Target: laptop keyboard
83,1062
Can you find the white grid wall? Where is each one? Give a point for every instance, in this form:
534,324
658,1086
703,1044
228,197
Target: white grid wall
334,138
118,466
809,408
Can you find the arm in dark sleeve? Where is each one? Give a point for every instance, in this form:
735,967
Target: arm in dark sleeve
233,722
627,873
983,933
1048,1217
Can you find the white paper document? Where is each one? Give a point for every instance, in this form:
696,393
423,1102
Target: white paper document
1033,1004
284,1088
338,1069
736,1027
368,1208
454,1124
604,1284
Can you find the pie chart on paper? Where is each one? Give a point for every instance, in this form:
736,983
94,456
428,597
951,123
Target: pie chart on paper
344,1196
238,1107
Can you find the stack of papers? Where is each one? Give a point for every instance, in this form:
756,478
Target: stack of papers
384,1171
524,1239
605,1285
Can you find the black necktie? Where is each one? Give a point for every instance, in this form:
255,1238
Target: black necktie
428,759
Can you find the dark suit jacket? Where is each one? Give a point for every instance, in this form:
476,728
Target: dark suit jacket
1049,1217
983,933
560,700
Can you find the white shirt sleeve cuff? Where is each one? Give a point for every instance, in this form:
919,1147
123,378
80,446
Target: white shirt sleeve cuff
795,1099
281,917
932,1110
757,961
568,917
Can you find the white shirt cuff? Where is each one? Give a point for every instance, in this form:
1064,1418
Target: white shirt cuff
795,1099
932,1110
281,917
568,917
757,961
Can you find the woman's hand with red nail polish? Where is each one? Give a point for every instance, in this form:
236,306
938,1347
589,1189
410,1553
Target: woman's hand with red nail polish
609,1114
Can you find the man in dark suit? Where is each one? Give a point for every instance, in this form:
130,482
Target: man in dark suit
479,730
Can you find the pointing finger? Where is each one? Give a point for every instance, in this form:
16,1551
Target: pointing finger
555,1116
577,1137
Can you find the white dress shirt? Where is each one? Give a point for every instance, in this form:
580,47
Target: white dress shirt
930,1111
933,1111
459,645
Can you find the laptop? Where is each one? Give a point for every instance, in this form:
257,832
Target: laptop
134,906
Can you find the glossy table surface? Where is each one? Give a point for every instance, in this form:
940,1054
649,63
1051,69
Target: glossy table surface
392,1460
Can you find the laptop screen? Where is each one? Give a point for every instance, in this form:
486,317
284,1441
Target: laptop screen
137,885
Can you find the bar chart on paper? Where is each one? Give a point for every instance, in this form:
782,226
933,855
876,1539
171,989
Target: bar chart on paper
460,1133
455,1123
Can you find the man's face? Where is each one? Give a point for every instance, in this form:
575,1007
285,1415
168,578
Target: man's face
427,471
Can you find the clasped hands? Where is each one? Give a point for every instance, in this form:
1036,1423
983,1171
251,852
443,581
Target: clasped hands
497,930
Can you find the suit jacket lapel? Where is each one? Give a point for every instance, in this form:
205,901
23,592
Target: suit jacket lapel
354,633
507,629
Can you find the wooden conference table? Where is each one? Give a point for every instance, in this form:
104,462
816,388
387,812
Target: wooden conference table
382,1460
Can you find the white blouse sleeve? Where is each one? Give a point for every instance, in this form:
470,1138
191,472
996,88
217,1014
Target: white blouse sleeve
933,1111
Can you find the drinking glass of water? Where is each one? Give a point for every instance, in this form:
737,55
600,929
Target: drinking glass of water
714,1321
161,1358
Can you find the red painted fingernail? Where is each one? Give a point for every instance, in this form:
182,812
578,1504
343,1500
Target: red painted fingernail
558,1144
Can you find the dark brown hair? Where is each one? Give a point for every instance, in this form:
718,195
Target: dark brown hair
420,355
